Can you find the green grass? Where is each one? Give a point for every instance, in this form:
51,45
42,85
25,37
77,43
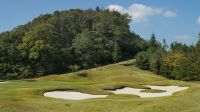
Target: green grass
27,95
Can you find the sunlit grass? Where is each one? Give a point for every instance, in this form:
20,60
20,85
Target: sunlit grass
27,95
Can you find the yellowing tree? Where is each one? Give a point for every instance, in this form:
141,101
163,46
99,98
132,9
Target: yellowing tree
172,60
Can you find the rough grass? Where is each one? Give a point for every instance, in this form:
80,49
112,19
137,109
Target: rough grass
27,95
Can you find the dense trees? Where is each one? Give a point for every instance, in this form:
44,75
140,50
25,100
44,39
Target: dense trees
58,42
51,43
179,62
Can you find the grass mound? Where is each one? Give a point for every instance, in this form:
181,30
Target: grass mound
83,74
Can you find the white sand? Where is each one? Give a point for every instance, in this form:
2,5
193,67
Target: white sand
72,95
3,82
169,91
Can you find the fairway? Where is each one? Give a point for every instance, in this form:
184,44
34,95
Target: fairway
27,95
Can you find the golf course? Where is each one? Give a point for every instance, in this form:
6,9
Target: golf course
27,95
99,56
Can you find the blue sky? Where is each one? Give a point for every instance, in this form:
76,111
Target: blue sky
174,20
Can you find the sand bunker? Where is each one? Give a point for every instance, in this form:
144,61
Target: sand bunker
169,91
72,95
3,82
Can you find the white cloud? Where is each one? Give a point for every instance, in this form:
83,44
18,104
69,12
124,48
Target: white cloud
117,8
141,12
169,13
198,20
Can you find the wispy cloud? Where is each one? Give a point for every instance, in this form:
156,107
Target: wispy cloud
198,20
141,12
169,13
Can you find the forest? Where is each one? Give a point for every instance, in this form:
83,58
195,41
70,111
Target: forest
177,61
79,39
67,41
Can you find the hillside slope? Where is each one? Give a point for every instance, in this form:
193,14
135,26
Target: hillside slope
51,43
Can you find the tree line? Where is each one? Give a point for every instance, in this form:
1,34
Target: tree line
55,43
177,61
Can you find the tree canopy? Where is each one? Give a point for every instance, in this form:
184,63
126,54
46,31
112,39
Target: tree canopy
179,62
51,43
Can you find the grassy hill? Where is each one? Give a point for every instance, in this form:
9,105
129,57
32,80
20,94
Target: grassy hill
27,95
